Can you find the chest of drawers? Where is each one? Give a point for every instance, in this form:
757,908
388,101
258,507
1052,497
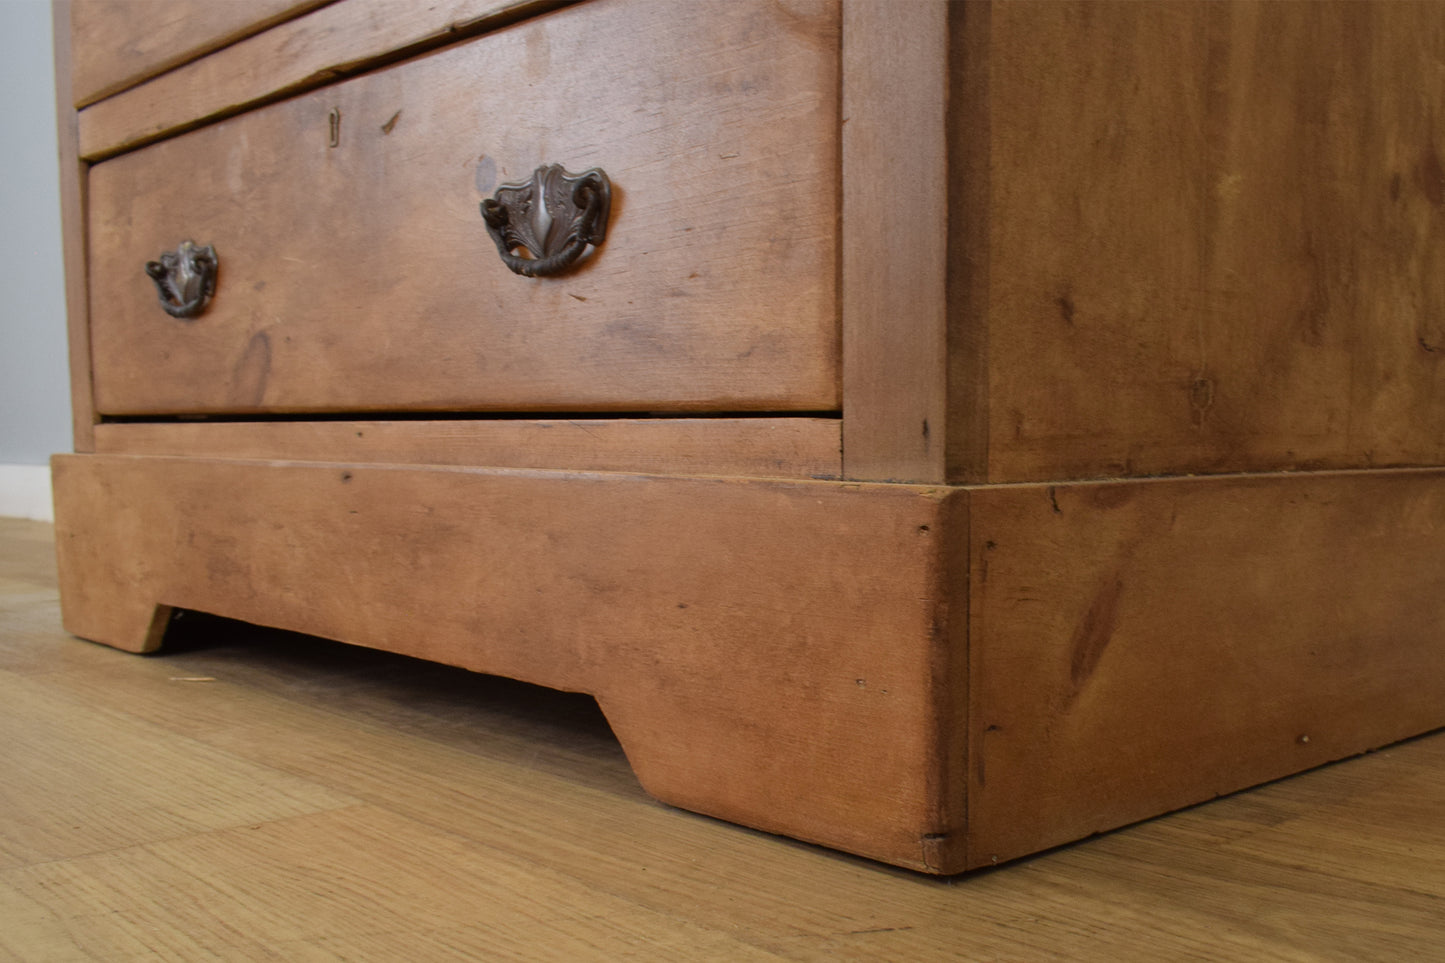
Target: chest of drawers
981,425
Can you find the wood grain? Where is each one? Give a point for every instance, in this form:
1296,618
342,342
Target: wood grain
384,808
1136,647
774,653
119,43
970,179
196,793
361,278
343,39
762,447
1214,238
73,181
894,240
1133,240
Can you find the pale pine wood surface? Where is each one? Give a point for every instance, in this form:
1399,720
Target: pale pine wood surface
1137,646
777,659
893,280
310,801
767,447
1211,236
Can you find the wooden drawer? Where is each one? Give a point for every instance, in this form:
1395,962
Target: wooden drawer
118,43
360,277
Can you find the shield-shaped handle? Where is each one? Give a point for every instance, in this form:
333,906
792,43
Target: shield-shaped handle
544,226
185,278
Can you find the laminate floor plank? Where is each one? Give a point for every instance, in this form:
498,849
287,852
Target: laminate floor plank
254,795
353,880
75,783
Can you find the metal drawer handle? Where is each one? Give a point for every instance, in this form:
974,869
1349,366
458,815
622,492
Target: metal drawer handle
185,278
553,217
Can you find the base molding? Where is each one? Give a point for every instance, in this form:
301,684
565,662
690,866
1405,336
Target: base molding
1140,646
768,652
936,677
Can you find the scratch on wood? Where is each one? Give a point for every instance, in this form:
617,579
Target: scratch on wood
932,846
390,125
1066,308
252,371
1094,633
1201,399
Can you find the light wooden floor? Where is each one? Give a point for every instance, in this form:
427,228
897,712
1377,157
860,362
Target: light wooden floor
258,796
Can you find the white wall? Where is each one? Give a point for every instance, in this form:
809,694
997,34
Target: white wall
34,380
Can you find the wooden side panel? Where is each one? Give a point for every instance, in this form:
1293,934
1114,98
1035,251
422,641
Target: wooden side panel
119,43
72,224
895,239
361,277
766,651
766,447
1216,238
1140,646
306,52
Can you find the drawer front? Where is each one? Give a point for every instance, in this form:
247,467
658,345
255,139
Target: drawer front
118,43
356,272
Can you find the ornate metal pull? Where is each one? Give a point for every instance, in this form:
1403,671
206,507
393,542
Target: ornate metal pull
185,278
553,217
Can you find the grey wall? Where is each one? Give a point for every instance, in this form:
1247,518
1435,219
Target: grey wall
34,379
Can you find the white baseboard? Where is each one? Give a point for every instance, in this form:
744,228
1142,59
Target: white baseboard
25,492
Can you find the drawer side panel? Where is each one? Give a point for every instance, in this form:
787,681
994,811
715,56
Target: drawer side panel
1215,238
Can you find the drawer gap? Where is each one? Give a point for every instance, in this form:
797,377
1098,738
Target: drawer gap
375,416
